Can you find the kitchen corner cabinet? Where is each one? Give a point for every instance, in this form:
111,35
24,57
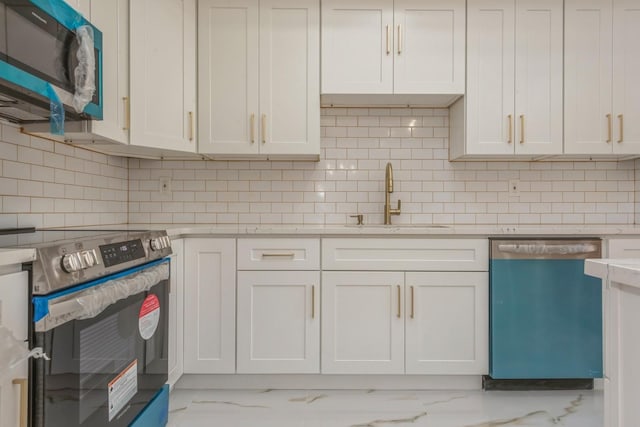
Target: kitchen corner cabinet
176,312
514,98
163,74
393,47
14,316
278,306
426,314
210,301
258,76
602,91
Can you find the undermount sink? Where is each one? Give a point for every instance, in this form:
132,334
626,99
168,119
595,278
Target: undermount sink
399,226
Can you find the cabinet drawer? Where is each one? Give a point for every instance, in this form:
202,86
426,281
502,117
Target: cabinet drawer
278,254
405,254
624,248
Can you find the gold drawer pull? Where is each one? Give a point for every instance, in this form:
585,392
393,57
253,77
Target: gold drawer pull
284,254
388,40
313,301
609,126
621,118
510,117
399,296
127,113
522,129
253,128
24,398
412,304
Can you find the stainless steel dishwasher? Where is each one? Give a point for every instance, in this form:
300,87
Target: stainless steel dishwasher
545,313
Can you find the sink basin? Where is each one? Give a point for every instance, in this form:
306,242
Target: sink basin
399,226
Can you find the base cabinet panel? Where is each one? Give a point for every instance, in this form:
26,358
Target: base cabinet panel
210,300
447,323
278,322
362,323
176,312
14,317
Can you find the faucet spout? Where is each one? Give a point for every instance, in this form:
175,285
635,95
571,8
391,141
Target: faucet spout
388,183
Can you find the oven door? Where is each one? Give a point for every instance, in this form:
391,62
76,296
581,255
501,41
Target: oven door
107,344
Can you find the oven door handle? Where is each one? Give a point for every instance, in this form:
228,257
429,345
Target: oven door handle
88,303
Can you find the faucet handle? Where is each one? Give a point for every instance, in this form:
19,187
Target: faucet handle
359,217
397,210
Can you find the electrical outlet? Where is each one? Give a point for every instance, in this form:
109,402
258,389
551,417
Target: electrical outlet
514,187
165,185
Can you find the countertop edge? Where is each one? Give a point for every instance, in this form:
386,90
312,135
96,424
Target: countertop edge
16,256
624,271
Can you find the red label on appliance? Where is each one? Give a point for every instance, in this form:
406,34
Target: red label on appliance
149,316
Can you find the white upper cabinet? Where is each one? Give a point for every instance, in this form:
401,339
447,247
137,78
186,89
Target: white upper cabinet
588,65
112,17
430,46
259,83
626,69
602,93
357,46
393,47
514,98
163,74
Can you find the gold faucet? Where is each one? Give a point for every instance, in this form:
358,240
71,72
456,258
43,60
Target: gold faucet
388,183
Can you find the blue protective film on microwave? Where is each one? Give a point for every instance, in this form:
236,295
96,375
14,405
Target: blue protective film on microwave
41,303
56,110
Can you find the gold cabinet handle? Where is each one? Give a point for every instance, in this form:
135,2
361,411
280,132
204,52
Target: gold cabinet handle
127,113
264,128
609,126
283,254
253,128
24,398
510,117
412,304
313,301
399,39
399,296
621,118
522,129
388,40
190,126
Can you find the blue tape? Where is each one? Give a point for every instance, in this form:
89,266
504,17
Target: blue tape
56,112
41,303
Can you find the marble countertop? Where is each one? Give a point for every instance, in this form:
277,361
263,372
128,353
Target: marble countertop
16,256
625,271
384,230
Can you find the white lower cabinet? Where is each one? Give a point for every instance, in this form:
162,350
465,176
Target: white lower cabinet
278,322
447,323
176,312
362,322
427,314
14,316
210,301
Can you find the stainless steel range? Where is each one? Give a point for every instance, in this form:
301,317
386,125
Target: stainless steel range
99,313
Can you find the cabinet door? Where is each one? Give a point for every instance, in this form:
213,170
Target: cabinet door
176,312
539,40
587,69
357,46
163,75
447,323
289,77
13,316
210,298
626,69
430,46
112,17
278,322
228,76
490,76
362,323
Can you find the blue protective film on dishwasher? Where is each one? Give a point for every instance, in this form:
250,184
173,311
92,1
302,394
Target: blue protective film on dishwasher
41,303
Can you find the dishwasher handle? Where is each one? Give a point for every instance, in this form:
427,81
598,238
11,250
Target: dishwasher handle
547,250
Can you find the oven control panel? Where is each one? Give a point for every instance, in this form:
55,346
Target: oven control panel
121,252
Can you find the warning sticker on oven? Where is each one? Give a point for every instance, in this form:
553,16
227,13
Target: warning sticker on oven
122,388
149,316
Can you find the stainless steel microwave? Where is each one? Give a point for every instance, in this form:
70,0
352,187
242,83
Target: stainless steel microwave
50,59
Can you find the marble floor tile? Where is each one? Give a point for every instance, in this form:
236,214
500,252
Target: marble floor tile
379,408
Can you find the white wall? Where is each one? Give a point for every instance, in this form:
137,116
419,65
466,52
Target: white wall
349,179
48,184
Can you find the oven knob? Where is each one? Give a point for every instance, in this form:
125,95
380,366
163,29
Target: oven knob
72,262
89,258
159,243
